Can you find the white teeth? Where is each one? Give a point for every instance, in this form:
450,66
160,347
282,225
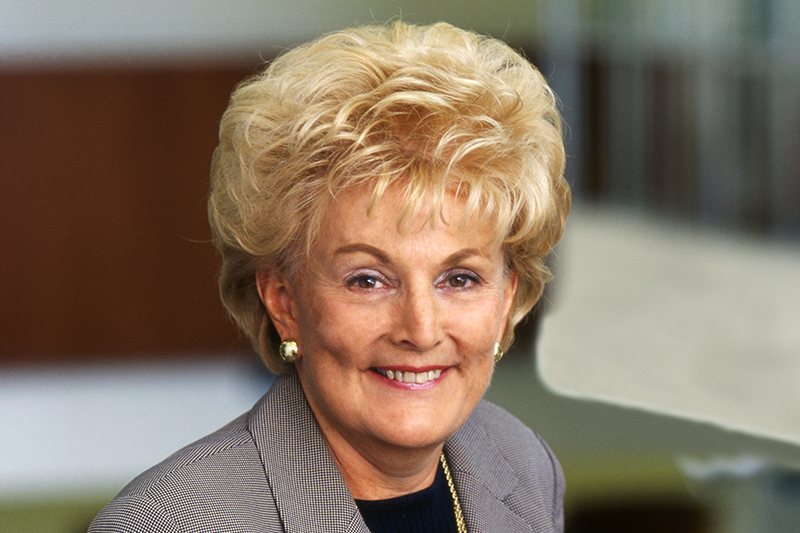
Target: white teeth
411,377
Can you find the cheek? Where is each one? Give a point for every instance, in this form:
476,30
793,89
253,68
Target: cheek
337,328
482,317
476,329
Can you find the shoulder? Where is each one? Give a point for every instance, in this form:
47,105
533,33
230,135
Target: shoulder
526,452
514,439
231,442
214,481
539,480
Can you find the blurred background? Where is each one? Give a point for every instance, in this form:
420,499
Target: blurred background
683,117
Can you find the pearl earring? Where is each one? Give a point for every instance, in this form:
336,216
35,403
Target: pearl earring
498,352
288,351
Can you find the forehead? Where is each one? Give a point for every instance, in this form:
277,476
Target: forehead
359,212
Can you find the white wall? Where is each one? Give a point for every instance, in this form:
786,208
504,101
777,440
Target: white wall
90,429
48,29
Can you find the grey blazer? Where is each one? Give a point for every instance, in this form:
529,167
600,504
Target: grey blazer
270,471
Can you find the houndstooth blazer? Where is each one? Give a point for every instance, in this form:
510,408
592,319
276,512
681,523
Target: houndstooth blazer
270,471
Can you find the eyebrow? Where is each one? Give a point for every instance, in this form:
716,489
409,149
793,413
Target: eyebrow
460,255
451,260
363,248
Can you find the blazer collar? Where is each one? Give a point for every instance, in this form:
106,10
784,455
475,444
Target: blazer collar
311,495
483,479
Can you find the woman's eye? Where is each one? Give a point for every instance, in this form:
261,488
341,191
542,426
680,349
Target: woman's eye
459,281
365,282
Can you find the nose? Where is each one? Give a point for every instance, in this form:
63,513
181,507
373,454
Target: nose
417,320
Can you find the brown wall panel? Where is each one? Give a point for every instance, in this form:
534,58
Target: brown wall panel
105,248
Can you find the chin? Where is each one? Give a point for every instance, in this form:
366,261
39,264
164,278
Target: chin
416,436
414,443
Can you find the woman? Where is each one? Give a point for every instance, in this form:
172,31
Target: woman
383,200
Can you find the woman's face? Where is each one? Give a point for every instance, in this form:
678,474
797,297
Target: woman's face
396,331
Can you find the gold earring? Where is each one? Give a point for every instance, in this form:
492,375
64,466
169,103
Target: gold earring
288,351
498,352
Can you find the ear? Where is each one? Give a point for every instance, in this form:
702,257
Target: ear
509,295
276,293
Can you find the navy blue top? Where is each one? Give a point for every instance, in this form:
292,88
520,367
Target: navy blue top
427,511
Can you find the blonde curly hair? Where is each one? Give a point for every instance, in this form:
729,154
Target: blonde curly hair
433,110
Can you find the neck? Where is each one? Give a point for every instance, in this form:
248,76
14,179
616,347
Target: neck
380,472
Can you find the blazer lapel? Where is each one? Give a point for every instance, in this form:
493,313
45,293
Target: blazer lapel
309,491
483,479
311,495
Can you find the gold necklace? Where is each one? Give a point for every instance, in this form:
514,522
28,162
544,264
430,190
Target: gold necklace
462,527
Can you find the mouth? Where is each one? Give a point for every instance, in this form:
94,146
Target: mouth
400,376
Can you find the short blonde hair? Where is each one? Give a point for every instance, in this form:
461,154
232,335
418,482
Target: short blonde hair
433,110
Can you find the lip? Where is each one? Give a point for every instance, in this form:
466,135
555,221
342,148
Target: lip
415,369
443,371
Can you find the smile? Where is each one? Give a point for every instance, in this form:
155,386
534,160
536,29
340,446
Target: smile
419,378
